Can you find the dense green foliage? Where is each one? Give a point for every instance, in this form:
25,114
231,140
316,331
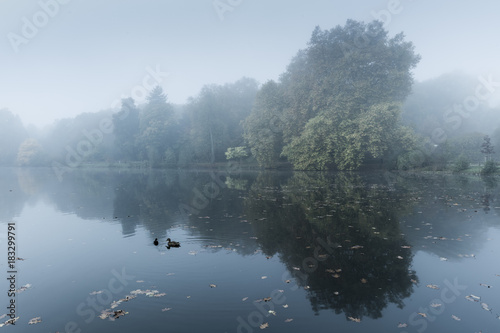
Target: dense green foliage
462,163
213,119
336,108
489,168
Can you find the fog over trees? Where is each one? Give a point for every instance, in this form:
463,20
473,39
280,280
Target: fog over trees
347,101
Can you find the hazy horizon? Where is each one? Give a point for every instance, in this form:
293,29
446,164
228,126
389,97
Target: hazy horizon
84,56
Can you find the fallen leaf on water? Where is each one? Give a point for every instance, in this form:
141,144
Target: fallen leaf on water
140,281
265,325
406,247
272,312
96,292
35,320
285,306
363,280
9,322
414,281
455,317
473,298
485,306
244,299
336,275
399,257
166,309
213,285
287,281
435,305
432,286
402,325
443,259
23,288
485,285
296,268
357,320
263,277
422,314
267,299
288,320
355,247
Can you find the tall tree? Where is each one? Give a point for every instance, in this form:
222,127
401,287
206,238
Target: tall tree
31,153
343,95
157,127
126,129
12,134
215,117
264,128
487,148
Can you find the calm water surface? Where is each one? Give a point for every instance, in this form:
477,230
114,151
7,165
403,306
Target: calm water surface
336,252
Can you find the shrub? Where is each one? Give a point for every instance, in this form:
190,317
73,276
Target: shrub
489,168
462,163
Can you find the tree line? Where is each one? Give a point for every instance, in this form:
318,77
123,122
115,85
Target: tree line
346,101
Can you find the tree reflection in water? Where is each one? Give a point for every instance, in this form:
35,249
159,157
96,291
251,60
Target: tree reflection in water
339,238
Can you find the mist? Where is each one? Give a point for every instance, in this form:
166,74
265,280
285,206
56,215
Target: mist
79,78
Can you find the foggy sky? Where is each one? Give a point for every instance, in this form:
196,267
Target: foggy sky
87,54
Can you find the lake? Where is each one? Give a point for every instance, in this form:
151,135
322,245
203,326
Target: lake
273,251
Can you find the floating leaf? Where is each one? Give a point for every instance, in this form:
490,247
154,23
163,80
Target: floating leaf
244,299
165,309
213,285
35,320
435,305
356,320
288,320
23,288
272,312
485,285
455,317
363,280
473,298
265,325
422,314
285,306
263,277
485,306
402,325
432,286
